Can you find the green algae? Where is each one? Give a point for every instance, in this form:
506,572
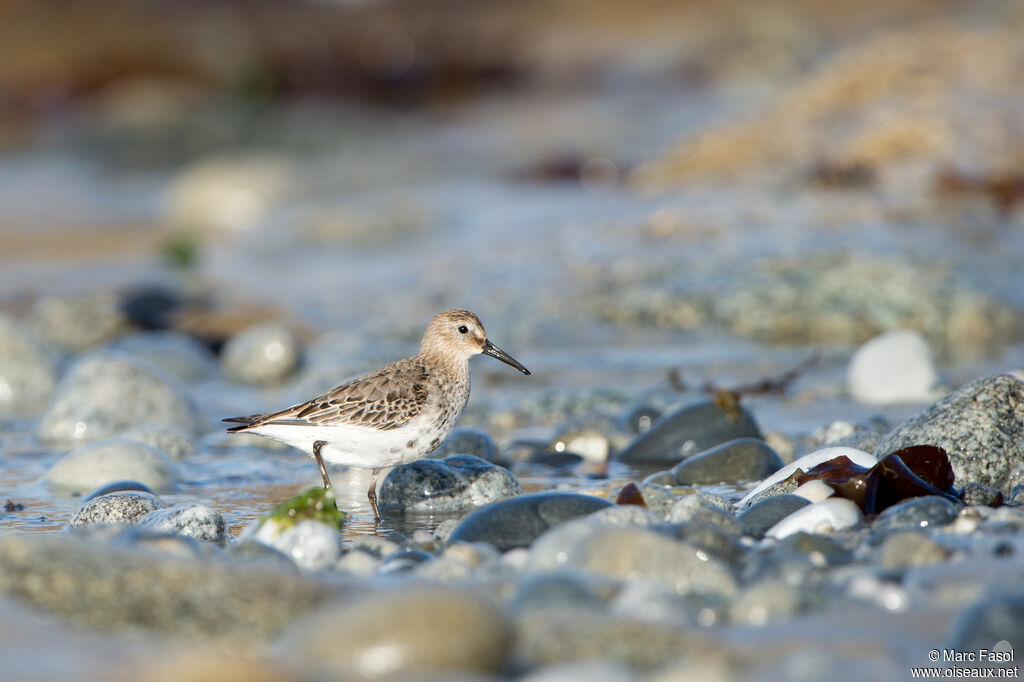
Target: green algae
316,504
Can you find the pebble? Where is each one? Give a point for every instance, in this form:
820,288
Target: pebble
626,515
78,323
170,440
466,440
662,478
690,430
917,512
116,459
658,498
28,370
981,495
518,521
640,418
408,631
127,506
994,623
758,518
903,549
103,395
263,354
764,602
179,355
357,563
981,427
117,486
589,445
192,520
743,459
455,483
893,367
557,589
310,544
814,491
860,435
711,538
807,462
405,560
699,507
99,587
833,514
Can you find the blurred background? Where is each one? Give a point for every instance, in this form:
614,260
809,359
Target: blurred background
630,195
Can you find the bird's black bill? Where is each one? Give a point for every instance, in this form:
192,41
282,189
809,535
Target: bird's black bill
495,352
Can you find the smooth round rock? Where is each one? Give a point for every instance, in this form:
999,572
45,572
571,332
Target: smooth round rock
758,518
454,483
179,355
996,623
311,545
116,459
641,418
412,630
466,440
193,520
981,495
262,354
764,602
117,486
543,590
904,549
980,426
687,431
658,498
917,512
893,367
77,323
28,370
405,561
518,521
170,440
743,459
700,507
104,395
128,506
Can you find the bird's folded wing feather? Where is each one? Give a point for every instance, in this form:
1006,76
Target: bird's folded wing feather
384,400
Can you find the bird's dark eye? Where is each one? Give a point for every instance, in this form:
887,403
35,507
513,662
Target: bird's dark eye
463,329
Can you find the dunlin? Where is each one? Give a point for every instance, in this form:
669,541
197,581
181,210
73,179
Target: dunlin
393,416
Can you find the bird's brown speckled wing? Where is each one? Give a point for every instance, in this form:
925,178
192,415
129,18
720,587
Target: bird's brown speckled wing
383,400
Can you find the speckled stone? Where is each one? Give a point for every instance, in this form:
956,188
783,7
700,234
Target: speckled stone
917,512
518,521
411,630
743,459
193,520
981,495
700,507
116,459
761,516
981,427
103,395
117,507
658,498
455,483
690,430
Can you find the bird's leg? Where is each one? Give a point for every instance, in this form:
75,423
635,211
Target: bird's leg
317,446
372,495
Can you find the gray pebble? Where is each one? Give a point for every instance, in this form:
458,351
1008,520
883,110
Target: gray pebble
903,549
466,440
117,486
177,354
981,495
700,507
690,430
455,483
28,370
263,354
544,590
170,440
193,520
658,498
518,521
77,323
665,478
127,506
760,516
743,459
917,512
404,561
116,459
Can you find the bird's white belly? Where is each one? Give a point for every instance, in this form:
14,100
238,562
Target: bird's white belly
359,446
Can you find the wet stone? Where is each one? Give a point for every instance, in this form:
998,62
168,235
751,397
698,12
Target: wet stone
263,354
250,551
690,430
192,520
116,459
903,549
455,483
116,507
117,486
103,395
405,560
663,478
980,425
420,631
917,512
743,459
77,323
518,521
177,354
759,517
820,549
713,539
544,590
310,544
699,507
170,440
28,370
981,495
626,515
466,440
658,498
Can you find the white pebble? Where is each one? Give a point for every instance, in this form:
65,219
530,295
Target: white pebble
894,367
858,457
835,513
815,491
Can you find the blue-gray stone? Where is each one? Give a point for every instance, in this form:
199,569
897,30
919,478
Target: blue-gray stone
517,522
758,518
404,561
743,459
116,487
455,483
466,440
690,430
192,520
917,512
